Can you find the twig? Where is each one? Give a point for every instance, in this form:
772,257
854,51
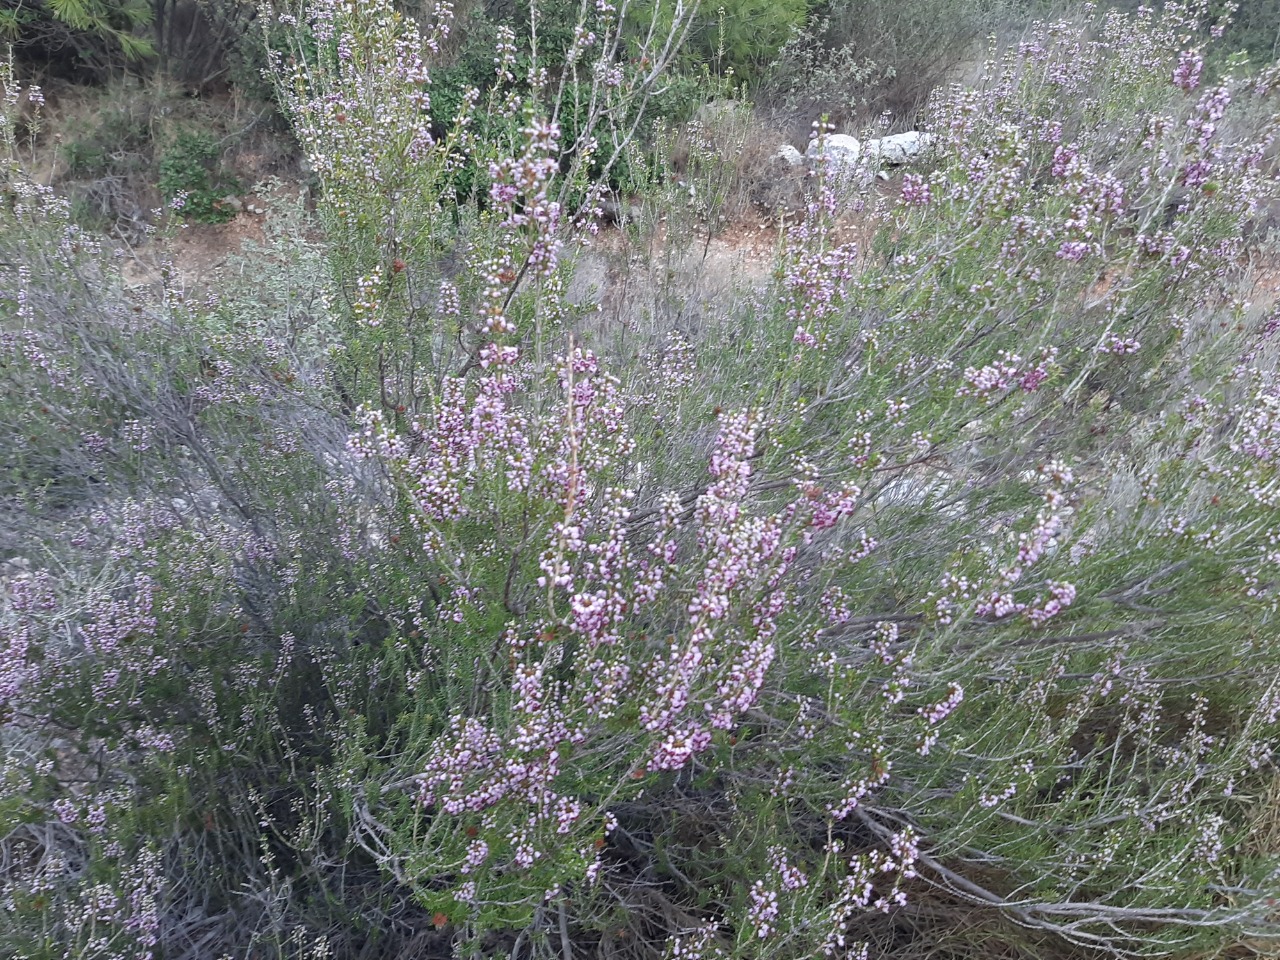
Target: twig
566,946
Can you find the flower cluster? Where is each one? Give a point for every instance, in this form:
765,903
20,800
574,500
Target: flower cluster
992,381
862,887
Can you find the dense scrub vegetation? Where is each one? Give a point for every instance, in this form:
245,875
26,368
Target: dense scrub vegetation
392,599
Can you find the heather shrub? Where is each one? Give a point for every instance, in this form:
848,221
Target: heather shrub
857,60
716,159
913,602
408,242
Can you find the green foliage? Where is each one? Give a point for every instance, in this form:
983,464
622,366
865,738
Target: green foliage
189,170
85,158
104,34
101,16
736,40
1255,28
12,21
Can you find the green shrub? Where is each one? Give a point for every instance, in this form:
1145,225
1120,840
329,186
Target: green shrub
86,159
190,178
736,40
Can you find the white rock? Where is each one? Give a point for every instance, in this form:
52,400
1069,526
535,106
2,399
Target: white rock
900,147
790,154
841,150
